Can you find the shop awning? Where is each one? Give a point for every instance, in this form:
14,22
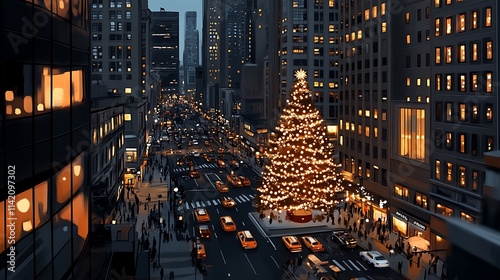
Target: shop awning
418,242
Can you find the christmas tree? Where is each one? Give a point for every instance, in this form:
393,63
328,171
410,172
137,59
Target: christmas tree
300,173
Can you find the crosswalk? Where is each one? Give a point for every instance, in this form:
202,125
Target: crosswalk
214,202
350,265
197,167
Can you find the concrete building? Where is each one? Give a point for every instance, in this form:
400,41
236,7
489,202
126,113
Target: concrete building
191,56
45,141
165,49
416,122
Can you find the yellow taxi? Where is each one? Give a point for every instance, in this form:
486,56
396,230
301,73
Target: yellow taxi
221,186
245,181
221,163
201,254
194,174
234,180
201,215
227,223
227,202
312,243
292,243
247,240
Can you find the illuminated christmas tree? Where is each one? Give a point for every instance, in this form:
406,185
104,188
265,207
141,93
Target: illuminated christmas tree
301,173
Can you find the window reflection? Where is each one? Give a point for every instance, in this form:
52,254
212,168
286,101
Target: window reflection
41,204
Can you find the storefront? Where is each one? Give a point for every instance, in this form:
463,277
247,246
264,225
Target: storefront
409,226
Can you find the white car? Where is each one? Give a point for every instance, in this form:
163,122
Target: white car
196,154
374,258
195,142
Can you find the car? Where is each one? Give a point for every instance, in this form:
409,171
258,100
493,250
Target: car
221,151
195,142
234,162
194,174
234,180
228,202
312,243
344,238
207,158
292,243
245,181
227,223
201,215
196,154
201,254
221,163
207,143
190,143
374,258
221,186
180,161
246,239
204,231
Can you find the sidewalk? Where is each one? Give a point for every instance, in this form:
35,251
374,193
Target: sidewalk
418,268
174,252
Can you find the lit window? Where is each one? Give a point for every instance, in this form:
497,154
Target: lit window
421,200
382,9
438,169
407,17
474,113
474,52
412,132
449,112
489,50
449,140
445,211
375,113
367,131
489,113
462,56
448,54
374,11
360,112
384,27
448,82
401,192
438,82
462,112
408,82
428,82
448,25
438,55
408,39
360,34
449,171
438,25
367,14
462,179
461,22
473,22
475,179
466,217
489,143
128,117
462,82
462,138
375,132
474,82
360,129
489,79
437,3
487,17
418,81
367,113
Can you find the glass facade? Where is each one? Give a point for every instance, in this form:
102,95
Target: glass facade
44,139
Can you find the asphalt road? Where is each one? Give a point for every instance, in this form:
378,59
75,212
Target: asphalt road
226,259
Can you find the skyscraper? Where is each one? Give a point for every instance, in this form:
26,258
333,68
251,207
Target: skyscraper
191,53
44,195
165,49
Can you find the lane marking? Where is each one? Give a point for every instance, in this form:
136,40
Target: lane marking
345,263
217,210
354,265
214,201
277,266
338,264
222,255
261,230
187,206
197,204
208,202
236,198
360,264
243,223
250,263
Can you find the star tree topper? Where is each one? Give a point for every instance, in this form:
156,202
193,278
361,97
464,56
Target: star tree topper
300,74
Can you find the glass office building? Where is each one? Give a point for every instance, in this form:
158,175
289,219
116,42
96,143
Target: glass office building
44,138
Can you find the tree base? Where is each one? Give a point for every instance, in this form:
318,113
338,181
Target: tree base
299,216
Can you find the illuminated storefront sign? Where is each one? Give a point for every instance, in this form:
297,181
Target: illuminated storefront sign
419,225
402,216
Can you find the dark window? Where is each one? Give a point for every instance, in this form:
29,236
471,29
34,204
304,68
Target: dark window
367,149
384,134
439,111
419,59
384,153
408,61
375,152
473,144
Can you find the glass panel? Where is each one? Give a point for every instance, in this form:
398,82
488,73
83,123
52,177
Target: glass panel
24,213
78,173
81,220
24,259
41,203
62,227
2,227
43,245
62,187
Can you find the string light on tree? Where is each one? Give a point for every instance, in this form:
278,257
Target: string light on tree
301,173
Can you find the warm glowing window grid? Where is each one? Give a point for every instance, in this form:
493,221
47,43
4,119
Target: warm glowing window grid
462,55
412,131
462,176
401,191
438,169
449,171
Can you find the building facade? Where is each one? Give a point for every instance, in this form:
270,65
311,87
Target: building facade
165,49
191,56
415,122
45,140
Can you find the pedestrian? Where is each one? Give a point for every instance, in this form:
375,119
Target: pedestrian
400,265
161,273
300,261
411,260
